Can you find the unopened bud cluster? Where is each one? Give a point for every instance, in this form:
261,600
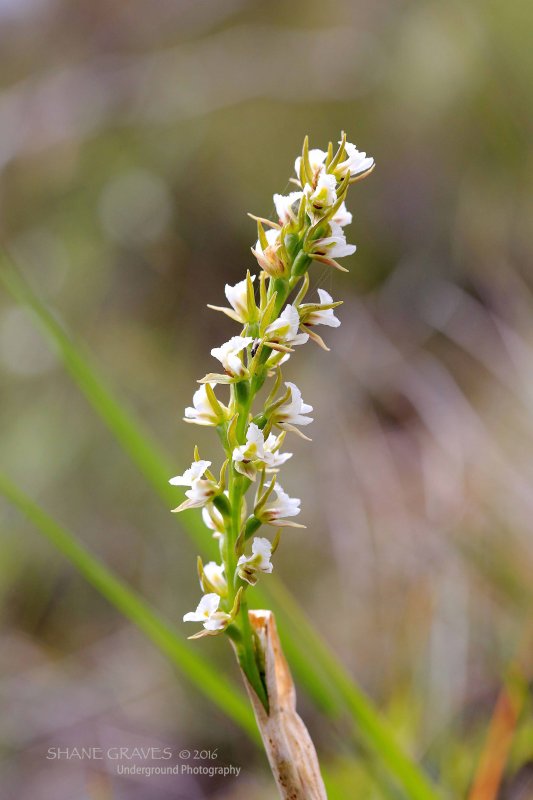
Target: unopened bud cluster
274,317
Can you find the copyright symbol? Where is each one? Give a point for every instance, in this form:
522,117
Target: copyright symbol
184,754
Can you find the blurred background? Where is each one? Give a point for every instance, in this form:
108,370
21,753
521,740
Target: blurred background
134,138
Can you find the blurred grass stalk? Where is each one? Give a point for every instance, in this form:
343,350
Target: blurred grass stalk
495,753
221,690
321,673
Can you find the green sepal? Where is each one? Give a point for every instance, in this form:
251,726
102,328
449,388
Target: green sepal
260,420
285,398
250,299
329,156
264,497
301,264
222,477
262,236
302,291
268,314
205,583
275,387
262,290
213,401
252,525
237,603
338,155
232,432
222,504
305,163
275,543
292,244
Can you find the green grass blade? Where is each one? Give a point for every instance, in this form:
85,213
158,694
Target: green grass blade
137,443
320,672
185,657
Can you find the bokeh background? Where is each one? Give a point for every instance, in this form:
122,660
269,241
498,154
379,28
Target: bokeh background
134,137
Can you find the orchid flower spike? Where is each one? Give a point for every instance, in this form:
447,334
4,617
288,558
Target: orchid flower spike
275,321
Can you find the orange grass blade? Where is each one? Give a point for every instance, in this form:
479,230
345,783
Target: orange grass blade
495,753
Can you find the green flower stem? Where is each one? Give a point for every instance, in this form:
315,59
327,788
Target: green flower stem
244,393
232,531
243,397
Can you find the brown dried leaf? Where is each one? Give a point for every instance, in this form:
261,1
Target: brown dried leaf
291,753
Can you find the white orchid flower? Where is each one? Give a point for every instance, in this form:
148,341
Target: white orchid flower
316,160
259,561
202,412
273,458
321,316
213,520
355,163
285,206
215,575
257,453
208,614
342,216
322,195
248,456
332,247
201,491
191,475
229,355
284,330
275,512
237,297
292,412
268,257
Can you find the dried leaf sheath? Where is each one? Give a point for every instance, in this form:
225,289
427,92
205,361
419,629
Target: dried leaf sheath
291,753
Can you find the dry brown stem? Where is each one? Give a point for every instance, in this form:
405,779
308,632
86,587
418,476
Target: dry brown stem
291,753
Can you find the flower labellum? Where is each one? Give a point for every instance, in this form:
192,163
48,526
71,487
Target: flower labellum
201,491
208,614
285,329
215,575
285,206
202,411
258,454
268,256
259,561
229,355
293,411
275,512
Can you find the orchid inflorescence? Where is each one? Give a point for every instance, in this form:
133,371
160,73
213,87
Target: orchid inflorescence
310,228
